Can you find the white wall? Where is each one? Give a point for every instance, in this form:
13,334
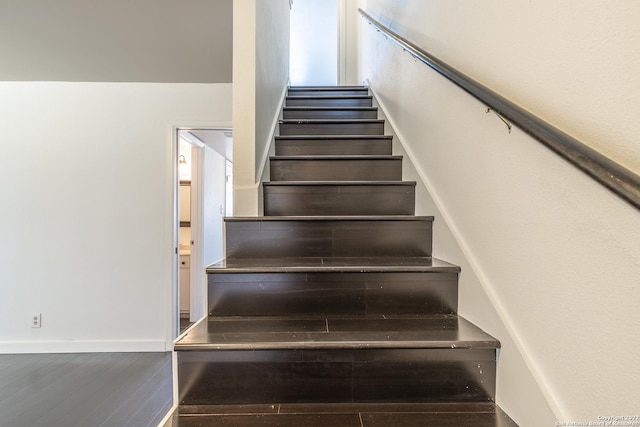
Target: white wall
545,55
550,258
314,42
348,43
213,202
214,182
260,77
87,211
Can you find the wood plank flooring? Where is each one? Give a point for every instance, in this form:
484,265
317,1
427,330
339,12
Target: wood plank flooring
85,390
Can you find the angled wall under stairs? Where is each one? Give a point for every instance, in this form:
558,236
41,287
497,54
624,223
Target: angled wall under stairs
331,309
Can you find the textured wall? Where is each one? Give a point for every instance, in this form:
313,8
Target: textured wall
550,258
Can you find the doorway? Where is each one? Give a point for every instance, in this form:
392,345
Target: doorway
204,167
314,43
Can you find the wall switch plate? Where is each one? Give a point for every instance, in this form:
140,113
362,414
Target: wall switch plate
36,320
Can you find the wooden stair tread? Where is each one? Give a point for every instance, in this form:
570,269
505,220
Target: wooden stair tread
484,414
331,137
339,183
341,408
328,94
320,96
329,121
312,108
328,112
343,332
351,218
340,87
339,157
334,264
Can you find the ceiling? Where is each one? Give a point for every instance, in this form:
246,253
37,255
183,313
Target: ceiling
168,41
220,140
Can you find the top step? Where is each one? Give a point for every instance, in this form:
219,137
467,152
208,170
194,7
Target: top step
327,90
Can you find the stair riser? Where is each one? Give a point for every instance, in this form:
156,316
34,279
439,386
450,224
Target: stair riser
301,101
336,170
292,239
285,294
313,128
326,114
341,376
327,92
339,200
348,147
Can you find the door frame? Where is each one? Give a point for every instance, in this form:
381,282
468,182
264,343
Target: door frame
198,299
341,72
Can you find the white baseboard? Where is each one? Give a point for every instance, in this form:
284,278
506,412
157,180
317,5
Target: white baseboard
264,158
169,414
25,347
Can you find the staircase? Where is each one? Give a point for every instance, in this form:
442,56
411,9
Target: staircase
330,309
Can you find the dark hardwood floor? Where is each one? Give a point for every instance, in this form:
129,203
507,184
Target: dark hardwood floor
85,390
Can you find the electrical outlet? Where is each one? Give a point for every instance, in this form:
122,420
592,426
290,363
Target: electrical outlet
36,320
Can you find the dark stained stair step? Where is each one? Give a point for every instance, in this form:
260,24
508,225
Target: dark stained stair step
309,145
330,292
327,90
318,237
330,310
336,359
332,127
448,332
297,286
329,101
339,198
485,414
336,168
289,113
359,264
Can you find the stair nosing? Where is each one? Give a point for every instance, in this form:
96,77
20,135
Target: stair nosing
346,96
428,218
339,157
323,108
329,265
342,345
451,408
345,87
331,121
477,339
376,316
332,269
330,137
340,183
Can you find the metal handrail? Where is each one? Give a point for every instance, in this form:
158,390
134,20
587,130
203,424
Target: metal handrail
620,180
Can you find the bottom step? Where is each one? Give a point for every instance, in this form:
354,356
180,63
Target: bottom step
342,415
353,359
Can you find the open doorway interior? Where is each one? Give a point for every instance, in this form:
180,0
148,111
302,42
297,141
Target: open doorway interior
205,167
